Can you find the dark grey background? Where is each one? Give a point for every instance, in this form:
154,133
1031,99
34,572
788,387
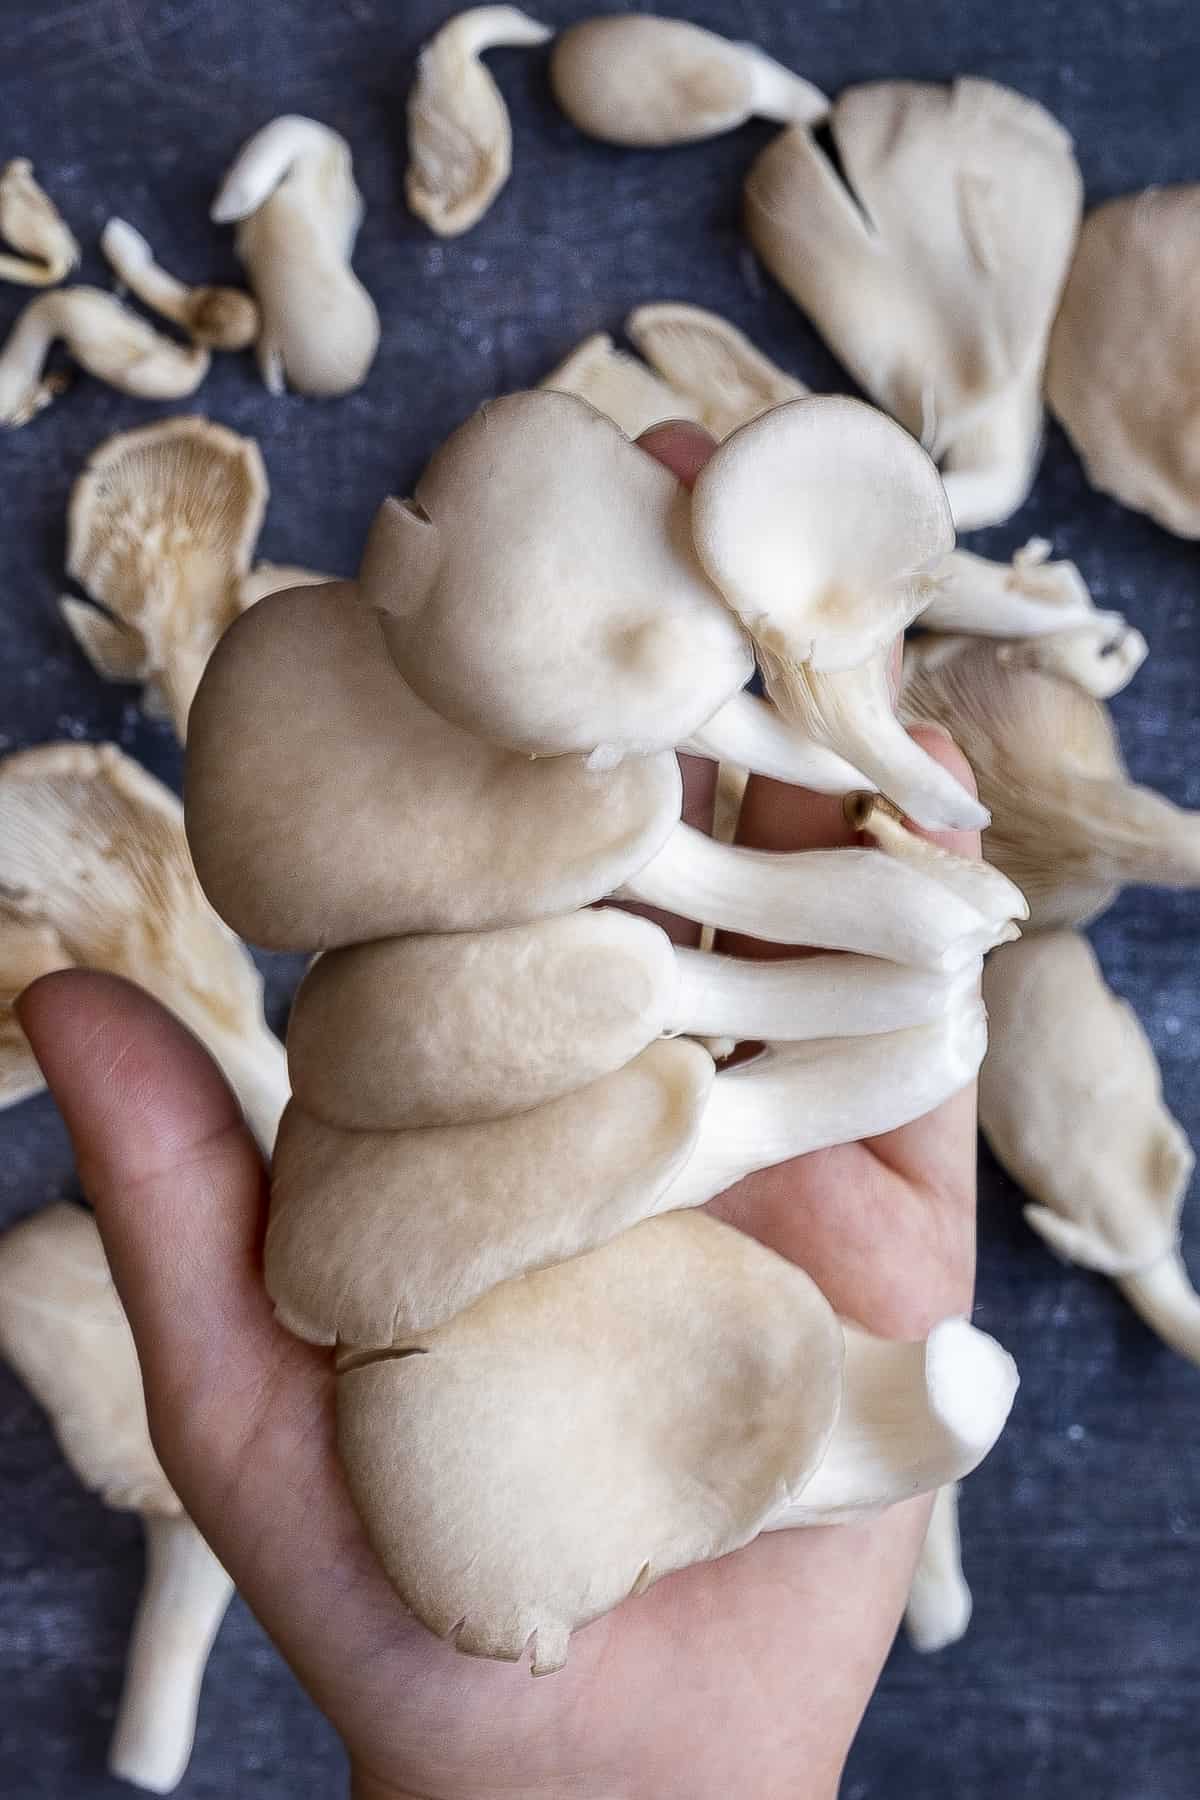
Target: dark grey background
1082,1532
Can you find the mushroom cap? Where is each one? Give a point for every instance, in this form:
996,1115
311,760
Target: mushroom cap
727,379
441,1030
541,590
819,522
1125,354
374,1233
64,1331
33,225
617,385
327,805
223,317
579,1433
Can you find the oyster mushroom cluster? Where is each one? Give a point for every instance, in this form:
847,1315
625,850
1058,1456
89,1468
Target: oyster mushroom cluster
485,1189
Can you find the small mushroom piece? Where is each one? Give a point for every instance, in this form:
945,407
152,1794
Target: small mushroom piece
377,1232
642,80
618,385
1068,825
33,225
820,522
223,318
939,1600
448,1029
1071,1103
65,1333
291,192
95,872
161,529
578,1434
104,338
459,133
726,379
1122,371
934,267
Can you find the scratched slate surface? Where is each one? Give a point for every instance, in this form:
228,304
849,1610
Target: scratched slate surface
1082,1532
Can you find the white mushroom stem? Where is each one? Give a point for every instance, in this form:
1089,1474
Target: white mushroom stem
223,317
913,1417
262,163
939,1600
1101,657
1164,1297
1026,598
753,733
798,1098
988,468
183,1601
105,338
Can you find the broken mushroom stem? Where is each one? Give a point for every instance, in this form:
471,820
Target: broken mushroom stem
105,338
939,1601
223,318
754,735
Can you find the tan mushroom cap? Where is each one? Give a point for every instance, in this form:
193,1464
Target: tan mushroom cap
376,1233
618,385
161,530
727,379
32,224
1125,355
64,1331
580,1433
541,590
476,1025
326,805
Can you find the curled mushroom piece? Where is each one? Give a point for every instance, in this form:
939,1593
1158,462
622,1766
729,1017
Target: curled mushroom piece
161,529
104,338
1068,825
934,268
619,386
427,1220
291,192
939,1601
590,1429
727,380
480,1025
33,225
95,872
459,133
223,318
1071,1103
1121,374
63,1330
650,81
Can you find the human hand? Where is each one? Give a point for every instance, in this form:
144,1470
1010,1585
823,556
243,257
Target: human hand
748,1675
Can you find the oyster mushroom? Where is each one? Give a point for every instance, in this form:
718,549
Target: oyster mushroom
292,195
934,268
104,338
94,871
589,1429
223,318
161,529
644,80
64,1331
33,225
1122,371
619,386
939,1600
1071,1103
459,134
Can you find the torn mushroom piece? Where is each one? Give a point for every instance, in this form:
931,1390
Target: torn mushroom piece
619,386
1122,371
491,837
726,379
104,338
95,872
1068,825
934,267
939,1600
161,529
651,81
1071,1103
427,1220
291,192
820,523
449,1029
64,1331
589,1429
459,133
223,318
32,224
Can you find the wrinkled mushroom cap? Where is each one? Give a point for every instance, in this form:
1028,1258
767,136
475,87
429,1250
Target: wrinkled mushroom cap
65,1333
1125,354
477,1024
541,590
327,805
578,1434
378,1232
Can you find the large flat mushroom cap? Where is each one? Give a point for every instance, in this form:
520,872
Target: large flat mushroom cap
582,1432
373,1233
327,805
